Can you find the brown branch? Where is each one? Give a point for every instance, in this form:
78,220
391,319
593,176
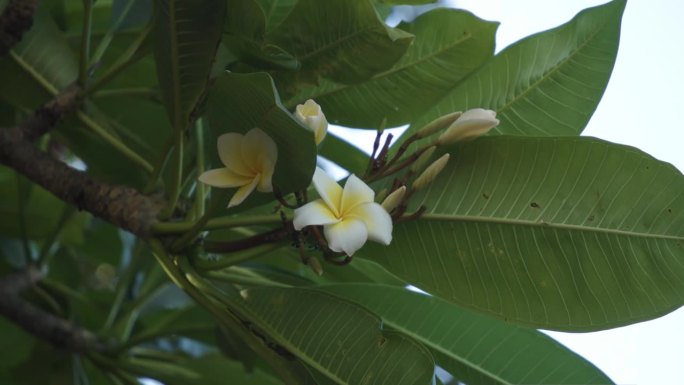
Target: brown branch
58,331
16,19
122,206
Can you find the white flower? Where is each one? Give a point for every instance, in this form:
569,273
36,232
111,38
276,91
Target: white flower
469,125
311,115
250,161
349,216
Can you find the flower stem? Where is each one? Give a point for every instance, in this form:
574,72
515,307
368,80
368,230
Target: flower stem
200,189
114,142
85,41
176,172
170,228
241,279
107,39
131,56
184,276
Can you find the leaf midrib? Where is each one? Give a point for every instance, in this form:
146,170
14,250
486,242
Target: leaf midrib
544,224
553,69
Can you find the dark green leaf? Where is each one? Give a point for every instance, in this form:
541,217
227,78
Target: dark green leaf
475,348
186,35
545,85
449,45
571,234
352,49
341,340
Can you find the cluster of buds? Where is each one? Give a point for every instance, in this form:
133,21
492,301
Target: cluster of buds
454,127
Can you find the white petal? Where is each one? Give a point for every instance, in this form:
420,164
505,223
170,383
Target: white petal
266,179
229,150
377,220
346,236
223,177
313,213
478,113
243,192
328,189
259,146
355,193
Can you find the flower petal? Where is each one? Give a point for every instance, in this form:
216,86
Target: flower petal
329,190
313,213
355,192
223,177
346,236
229,150
377,220
259,150
243,192
266,179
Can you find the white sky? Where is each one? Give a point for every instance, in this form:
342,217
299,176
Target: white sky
639,109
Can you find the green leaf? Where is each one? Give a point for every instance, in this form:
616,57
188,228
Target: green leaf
210,369
186,35
341,340
407,2
548,84
352,49
571,234
475,348
41,211
276,11
449,45
238,103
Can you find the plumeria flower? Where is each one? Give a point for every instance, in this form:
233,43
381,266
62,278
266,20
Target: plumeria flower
250,161
470,125
349,216
311,115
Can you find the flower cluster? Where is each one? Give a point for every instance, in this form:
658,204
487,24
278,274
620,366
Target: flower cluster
349,215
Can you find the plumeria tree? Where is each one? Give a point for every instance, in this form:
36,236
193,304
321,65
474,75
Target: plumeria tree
162,214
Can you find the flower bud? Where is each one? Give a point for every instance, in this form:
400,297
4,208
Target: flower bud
437,124
311,115
419,164
431,172
394,199
470,125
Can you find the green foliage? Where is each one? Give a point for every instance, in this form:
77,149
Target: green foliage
449,45
548,84
555,250
532,226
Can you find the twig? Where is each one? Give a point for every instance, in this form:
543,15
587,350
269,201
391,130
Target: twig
58,331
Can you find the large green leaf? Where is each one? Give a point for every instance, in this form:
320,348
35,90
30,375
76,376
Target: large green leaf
238,103
354,47
449,45
569,233
548,84
475,348
186,35
341,340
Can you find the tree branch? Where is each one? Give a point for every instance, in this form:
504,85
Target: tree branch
122,206
59,332
16,19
